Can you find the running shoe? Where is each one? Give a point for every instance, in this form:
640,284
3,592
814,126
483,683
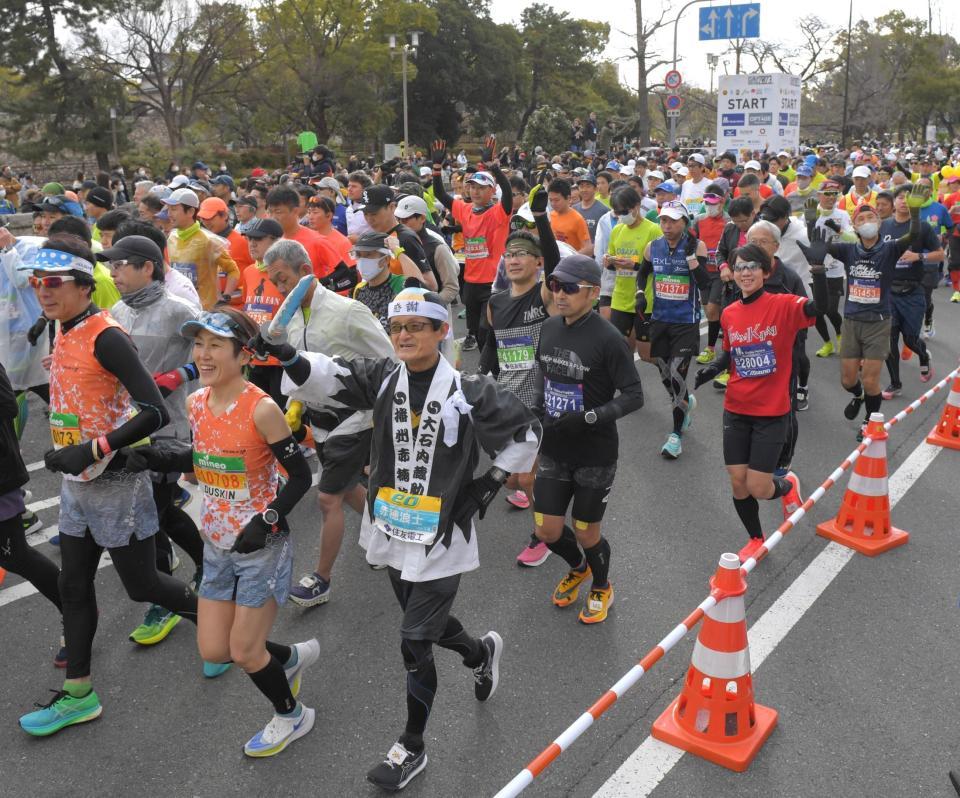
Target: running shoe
469,344
955,297
462,314
23,412
906,353
157,624
310,591
926,372
60,658
803,398
892,390
928,330
862,432
31,522
518,499
63,710
54,540
196,579
27,494
307,653
398,769
568,588
708,355
688,413
826,350
487,675
750,549
720,383
183,497
211,670
792,501
853,407
279,733
534,553
672,448
599,602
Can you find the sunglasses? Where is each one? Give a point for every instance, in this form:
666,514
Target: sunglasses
119,264
519,223
555,286
51,281
830,193
712,198
749,266
411,327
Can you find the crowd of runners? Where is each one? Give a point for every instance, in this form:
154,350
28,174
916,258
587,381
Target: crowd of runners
224,332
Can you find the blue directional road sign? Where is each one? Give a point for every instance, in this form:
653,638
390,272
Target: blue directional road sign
730,22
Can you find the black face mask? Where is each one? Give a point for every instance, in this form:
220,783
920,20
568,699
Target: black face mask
727,172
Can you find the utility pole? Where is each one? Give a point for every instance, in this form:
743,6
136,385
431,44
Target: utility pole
846,79
404,50
676,22
712,61
113,130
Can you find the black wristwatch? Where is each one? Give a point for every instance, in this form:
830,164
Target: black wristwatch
270,517
590,416
498,474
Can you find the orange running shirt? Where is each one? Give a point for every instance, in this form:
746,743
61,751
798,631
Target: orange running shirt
484,239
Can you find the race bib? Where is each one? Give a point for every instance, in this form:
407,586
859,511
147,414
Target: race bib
755,360
221,478
476,248
562,397
188,270
64,429
629,273
516,353
406,516
260,312
672,287
864,293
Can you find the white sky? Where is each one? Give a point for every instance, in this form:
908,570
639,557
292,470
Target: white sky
777,23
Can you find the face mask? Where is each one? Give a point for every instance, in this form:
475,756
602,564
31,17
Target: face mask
368,267
627,218
868,230
714,210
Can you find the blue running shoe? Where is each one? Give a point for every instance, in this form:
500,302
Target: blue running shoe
310,591
672,448
688,414
63,710
54,541
279,733
211,670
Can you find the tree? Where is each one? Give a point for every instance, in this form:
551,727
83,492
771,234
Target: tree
549,128
647,63
807,61
174,57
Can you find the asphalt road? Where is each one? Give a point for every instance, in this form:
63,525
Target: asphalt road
865,681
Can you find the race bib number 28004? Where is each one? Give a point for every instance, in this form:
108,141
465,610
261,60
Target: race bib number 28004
755,360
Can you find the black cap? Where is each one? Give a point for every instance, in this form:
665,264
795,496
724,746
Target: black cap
223,180
264,228
377,197
371,241
139,247
101,197
575,268
200,165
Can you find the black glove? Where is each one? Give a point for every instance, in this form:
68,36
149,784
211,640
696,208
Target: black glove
252,537
438,152
641,301
163,455
73,459
567,423
262,347
486,151
810,212
343,278
34,333
834,225
474,499
691,247
816,252
705,375
538,199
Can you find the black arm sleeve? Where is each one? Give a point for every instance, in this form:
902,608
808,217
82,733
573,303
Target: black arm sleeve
299,370
116,353
820,299
646,269
722,361
628,384
441,193
701,275
288,454
506,190
548,244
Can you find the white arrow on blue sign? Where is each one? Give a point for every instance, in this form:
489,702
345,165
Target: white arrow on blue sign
730,22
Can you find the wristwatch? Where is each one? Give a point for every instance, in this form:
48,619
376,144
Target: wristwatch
590,416
498,474
270,517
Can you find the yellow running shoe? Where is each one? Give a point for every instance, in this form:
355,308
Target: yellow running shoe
826,350
569,587
599,602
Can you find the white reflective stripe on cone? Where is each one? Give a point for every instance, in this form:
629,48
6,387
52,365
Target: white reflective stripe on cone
867,486
953,398
728,610
720,664
876,450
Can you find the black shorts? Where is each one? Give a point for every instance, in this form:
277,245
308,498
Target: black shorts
714,293
669,339
426,605
604,301
622,320
342,459
588,486
754,441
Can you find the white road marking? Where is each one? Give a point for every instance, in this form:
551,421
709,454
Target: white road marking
44,504
646,767
35,466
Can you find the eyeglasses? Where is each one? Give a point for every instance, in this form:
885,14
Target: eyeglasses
555,286
411,327
829,193
518,253
51,281
119,264
749,266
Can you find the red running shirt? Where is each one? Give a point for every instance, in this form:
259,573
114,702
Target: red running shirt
759,336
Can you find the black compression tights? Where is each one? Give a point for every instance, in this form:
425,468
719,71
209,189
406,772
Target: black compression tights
20,558
175,525
136,566
673,374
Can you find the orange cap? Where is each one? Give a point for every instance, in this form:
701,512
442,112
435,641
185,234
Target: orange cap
211,207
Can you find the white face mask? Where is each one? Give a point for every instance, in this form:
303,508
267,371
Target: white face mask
868,230
714,210
627,218
368,267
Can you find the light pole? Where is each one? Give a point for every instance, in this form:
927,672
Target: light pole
404,49
673,119
712,61
113,130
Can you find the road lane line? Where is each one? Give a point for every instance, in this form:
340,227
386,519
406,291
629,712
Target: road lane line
646,767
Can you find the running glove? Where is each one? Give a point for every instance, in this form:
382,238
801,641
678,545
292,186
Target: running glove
486,151
252,537
474,499
817,251
692,242
261,346
343,278
294,415
705,375
71,460
169,381
438,151
165,455
566,424
538,199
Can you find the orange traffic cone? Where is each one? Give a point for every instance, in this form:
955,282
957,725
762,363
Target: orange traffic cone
3,575
947,431
715,716
863,522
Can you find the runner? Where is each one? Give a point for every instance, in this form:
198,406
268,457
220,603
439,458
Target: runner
239,437
97,387
415,404
584,363
709,228
759,331
836,225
